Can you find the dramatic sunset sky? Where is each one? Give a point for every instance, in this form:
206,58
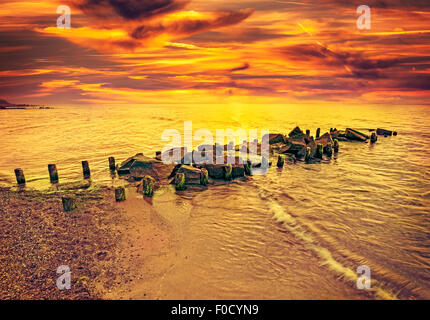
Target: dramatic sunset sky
212,51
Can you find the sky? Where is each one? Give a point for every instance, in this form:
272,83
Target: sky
215,51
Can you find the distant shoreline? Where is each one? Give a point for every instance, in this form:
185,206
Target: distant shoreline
23,107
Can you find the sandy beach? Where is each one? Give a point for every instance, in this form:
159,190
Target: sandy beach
106,245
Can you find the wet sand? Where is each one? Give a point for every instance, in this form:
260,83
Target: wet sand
107,245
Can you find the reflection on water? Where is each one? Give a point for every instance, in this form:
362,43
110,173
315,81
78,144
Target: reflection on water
299,232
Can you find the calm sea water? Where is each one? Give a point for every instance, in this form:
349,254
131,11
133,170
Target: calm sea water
300,232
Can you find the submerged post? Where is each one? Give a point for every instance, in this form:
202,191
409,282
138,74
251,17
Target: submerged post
336,145
53,174
329,150
148,186
373,137
319,152
248,167
280,163
119,194
180,181
112,163
308,156
86,169
20,179
69,203
317,135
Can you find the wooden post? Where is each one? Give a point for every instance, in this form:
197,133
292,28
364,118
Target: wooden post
319,153
69,203
20,179
308,132
86,169
112,163
280,163
228,169
373,137
328,150
53,174
308,155
148,186
180,181
248,168
119,194
336,145
317,135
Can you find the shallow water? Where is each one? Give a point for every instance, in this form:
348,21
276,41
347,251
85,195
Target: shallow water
299,232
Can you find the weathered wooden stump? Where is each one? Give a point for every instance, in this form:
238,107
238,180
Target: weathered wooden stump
373,137
308,155
119,194
204,177
180,181
383,132
280,163
228,169
112,163
336,145
328,150
69,203
248,167
86,169
148,186
317,135
20,179
319,152
53,174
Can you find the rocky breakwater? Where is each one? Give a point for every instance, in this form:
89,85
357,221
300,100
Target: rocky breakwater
214,164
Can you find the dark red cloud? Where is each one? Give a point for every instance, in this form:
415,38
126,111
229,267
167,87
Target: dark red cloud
129,9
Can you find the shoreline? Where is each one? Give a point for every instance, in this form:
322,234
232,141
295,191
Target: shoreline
105,244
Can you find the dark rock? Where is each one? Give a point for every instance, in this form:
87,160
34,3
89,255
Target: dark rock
325,139
296,131
276,138
140,166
